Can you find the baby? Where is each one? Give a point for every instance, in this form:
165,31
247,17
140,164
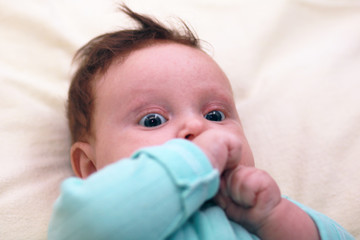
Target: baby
160,151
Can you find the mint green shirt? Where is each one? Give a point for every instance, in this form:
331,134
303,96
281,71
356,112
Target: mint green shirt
161,192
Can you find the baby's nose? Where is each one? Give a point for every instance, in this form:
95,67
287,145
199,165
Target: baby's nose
191,128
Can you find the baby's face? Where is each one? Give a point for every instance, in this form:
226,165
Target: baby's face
158,93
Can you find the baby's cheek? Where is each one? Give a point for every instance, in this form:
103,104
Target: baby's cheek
247,158
106,156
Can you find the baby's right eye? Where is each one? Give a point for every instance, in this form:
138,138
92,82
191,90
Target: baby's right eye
152,120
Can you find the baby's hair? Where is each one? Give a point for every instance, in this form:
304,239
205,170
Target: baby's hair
96,56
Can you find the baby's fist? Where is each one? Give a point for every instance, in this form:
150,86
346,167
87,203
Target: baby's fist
248,196
223,148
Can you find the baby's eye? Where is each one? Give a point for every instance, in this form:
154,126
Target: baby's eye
215,115
152,120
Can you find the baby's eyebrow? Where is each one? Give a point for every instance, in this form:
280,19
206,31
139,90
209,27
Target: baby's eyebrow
134,106
224,97
140,103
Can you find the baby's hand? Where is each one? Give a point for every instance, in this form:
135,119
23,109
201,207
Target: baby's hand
248,196
223,148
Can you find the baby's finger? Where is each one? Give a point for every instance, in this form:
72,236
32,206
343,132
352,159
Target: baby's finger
243,185
250,187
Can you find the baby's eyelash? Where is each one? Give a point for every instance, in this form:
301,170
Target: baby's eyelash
217,107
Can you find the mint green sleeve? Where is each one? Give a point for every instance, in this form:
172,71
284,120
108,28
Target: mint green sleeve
328,228
148,196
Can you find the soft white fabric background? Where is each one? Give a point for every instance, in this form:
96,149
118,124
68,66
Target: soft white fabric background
295,69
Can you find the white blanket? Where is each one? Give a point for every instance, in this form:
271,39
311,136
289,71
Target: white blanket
295,69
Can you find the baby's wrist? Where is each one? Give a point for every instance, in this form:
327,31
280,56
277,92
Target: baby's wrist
275,217
287,221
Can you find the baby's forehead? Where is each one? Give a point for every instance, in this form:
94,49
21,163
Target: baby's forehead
164,63
169,55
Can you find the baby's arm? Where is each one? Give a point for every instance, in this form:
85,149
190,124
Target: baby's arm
252,198
146,197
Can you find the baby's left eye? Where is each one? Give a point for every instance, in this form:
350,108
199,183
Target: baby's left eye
215,115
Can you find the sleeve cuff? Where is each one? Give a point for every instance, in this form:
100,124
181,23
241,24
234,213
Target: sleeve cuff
190,170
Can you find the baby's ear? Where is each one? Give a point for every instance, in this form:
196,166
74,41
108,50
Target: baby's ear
82,159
